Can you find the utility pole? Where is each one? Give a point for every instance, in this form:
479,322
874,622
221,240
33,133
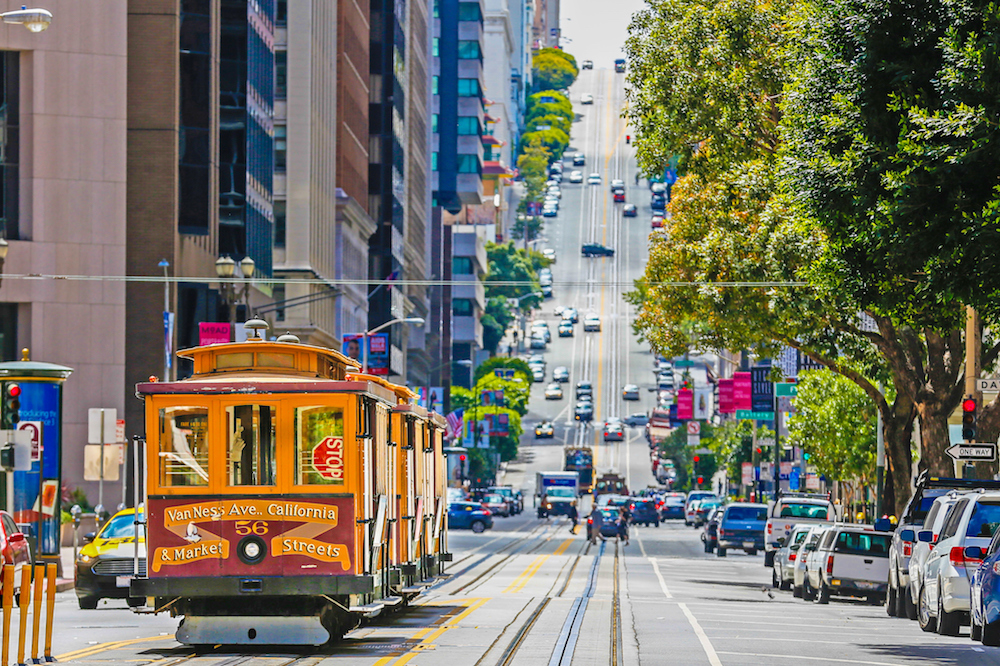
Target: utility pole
879,458
973,343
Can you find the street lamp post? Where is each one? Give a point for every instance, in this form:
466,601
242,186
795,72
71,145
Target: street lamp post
35,19
416,321
225,268
4,247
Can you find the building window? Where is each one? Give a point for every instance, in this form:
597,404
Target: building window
468,125
437,9
434,123
195,101
469,50
435,47
279,223
10,68
434,85
434,161
461,265
280,147
8,331
468,164
281,14
469,88
280,73
469,11
461,307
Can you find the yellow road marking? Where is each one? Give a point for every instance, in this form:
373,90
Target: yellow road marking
104,647
433,636
533,568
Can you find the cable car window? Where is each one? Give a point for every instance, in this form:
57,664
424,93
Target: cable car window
272,360
319,446
184,446
250,449
237,360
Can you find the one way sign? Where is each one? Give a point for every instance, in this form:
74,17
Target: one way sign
973,452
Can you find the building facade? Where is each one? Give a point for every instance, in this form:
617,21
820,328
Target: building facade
63,207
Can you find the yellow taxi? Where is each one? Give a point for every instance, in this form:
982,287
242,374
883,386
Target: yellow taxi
105,565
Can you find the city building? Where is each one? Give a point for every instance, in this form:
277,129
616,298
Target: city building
201,161
468,298
322,225
63,209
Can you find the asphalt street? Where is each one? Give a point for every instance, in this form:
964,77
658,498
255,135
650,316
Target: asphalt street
531,592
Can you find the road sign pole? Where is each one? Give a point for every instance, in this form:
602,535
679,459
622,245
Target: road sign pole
972,347
879,458
777,449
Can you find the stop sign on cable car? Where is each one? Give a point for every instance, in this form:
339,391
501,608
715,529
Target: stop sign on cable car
328,458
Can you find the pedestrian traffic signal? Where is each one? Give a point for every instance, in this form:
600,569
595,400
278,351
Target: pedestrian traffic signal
969,408
10,411
628,138
7,457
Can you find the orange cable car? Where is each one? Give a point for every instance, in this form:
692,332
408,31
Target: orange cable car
271,495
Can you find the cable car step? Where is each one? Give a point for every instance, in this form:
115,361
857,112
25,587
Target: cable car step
368,610
392,601
415,589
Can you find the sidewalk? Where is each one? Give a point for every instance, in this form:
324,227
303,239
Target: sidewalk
65,581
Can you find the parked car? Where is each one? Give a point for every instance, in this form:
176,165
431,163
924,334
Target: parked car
637,419
576,177
514,497
497,504
469,516
537,374
790,510
560,374
549,254
710,533
704,508
800,579
694,496
782,573
985,595
630,210
656,222
673,506
944,600
592,323
565,329
553,392
927,489
542,327
922,545
742,526
617,185
619,196
14,547
550,211
630,392
105,566
658,202
852,560
644,512
597,250
545,430
586,98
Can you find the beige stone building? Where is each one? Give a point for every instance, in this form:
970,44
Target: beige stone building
62,212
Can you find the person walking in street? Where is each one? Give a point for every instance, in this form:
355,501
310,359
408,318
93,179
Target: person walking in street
574,516
597,523
623,518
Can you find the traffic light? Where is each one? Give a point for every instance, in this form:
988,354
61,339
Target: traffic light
697,459
462,457
969,408
628,138
7,457
701,480
10,415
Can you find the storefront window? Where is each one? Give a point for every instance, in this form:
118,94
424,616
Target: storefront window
319,446
184,446
250,447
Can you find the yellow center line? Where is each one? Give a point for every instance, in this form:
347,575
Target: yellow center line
104,647
533,568
433,636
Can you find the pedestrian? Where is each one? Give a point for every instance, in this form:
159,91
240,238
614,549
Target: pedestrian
636,177
623,518
596,522
574,516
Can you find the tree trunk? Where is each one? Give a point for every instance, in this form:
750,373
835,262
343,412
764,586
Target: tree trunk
935,437
897,429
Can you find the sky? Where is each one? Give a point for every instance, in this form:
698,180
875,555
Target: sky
597,29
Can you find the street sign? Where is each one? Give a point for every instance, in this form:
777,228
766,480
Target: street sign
988,384
754,416
694,427
98,430
974,452
786,389
683,363
762,389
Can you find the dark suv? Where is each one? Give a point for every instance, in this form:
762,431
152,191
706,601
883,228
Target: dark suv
644,511
597,250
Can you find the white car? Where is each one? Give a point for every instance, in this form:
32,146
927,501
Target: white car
576,177
549,254
592,323
852,560
800,578
594,179
791,510
554,191
537,374
553,392
923,542
945,597
586,98
785,557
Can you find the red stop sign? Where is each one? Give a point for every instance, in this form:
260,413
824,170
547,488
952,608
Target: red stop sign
328,458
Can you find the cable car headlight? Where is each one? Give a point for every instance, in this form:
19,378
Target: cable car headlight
251,550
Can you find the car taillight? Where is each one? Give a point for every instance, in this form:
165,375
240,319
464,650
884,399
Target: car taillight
769,527
829,565
722,532
907,549
959,559
791,557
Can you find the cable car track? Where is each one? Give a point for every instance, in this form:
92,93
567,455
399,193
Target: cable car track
496,566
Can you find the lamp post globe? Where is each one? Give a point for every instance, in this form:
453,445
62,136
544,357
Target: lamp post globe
4,247
225,267
248,266
35,19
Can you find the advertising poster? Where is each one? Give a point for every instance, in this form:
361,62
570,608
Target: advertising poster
40,404
726,403
742,391
685,404
214,333
378,351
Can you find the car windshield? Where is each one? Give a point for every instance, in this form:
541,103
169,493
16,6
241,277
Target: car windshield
805,510
984,520
746,513
560,492
493,499
863,543
120,527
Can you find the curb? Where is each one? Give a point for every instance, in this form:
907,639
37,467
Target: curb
65,585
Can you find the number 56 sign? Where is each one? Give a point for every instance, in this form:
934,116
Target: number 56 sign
328,459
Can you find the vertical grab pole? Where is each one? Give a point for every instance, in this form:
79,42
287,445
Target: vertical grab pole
8,607
23,612
39,578
135,497
50,608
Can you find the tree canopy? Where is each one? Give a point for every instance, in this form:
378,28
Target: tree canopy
553,69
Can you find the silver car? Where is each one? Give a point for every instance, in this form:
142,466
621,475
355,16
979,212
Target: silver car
782,574
924,539
809,545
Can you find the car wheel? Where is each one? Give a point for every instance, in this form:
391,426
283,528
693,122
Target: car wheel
785,584
947,623
657,523
708,547
769,558
924,618
991,634
976,630
478,526
752,552
890,608
909,608
774,578
797,591
136,602
88,603
823,596
807,592
721,552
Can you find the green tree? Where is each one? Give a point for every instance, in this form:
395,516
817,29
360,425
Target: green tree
555,141
495,321
552,120
553,69
520,367
533,164
835,423
507,265
549,102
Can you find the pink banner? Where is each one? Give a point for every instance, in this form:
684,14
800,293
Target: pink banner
213,333
685,405
726,404
742,391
